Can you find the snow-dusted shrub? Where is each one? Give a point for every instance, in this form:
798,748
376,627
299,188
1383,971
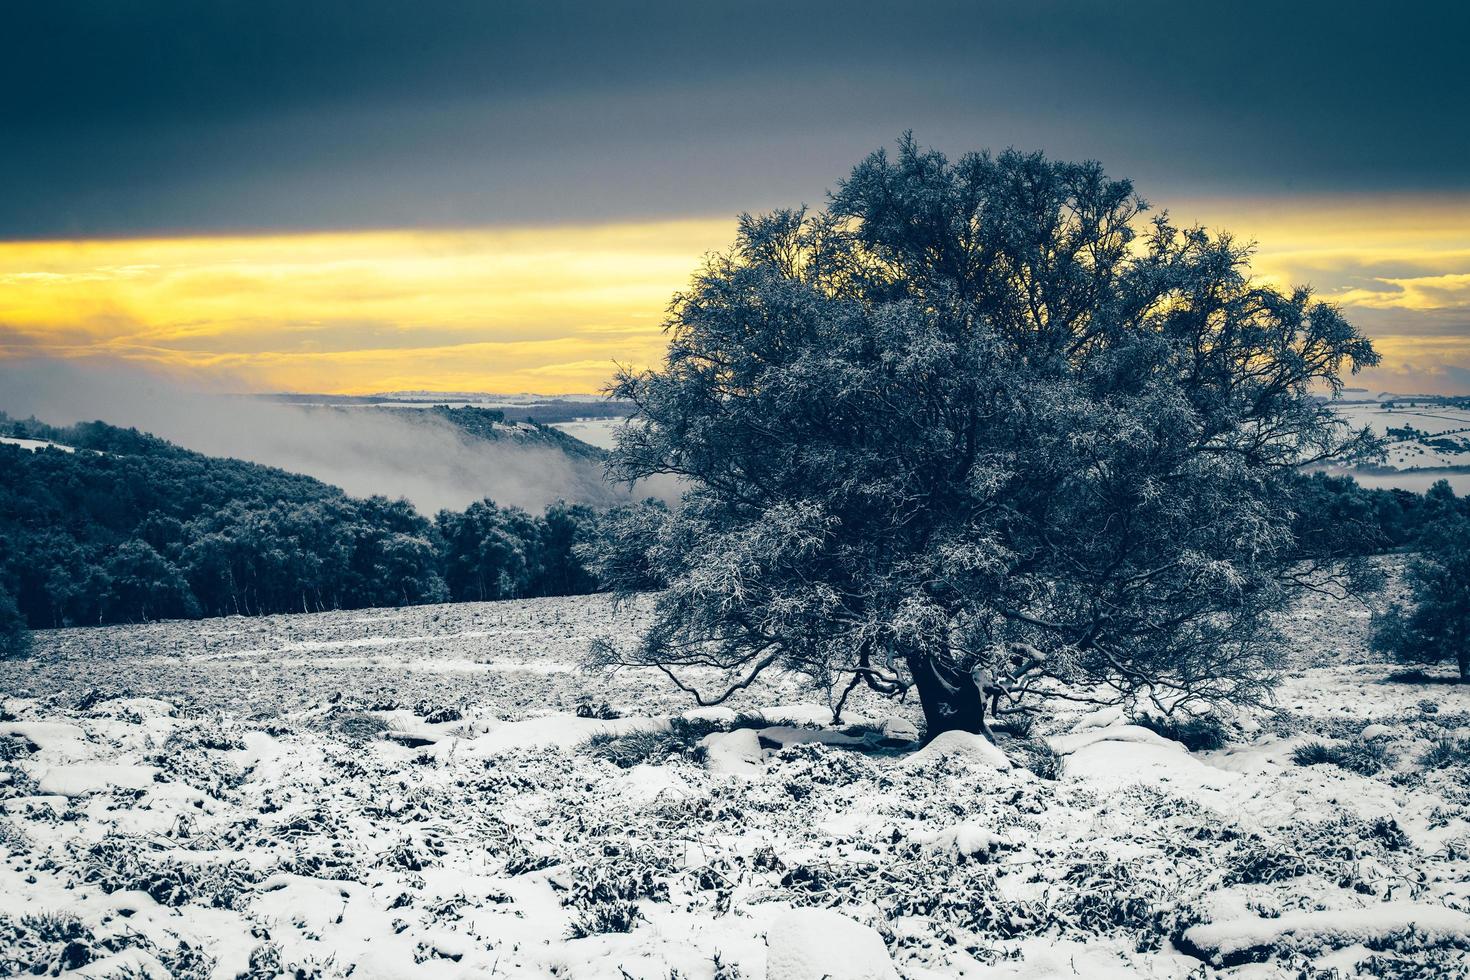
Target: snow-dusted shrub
14,747
13,840
44,943
1367,758
1436,963
520,860
186,962
636,748
414,852
1366,856
125,863
824,765
603,884
609,917
1418,675
265,963
1106,896
602,710
184,758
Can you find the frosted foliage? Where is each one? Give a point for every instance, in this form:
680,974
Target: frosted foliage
979,429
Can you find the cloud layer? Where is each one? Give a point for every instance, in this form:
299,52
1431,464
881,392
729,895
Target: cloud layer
364,452
164,116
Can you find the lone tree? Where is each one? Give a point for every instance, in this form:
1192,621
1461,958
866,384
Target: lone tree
1436,627
978,430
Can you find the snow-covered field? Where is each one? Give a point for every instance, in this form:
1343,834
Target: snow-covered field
412,792
1443,432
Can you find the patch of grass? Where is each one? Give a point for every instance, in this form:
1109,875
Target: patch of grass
115,864
1035,755
1199,733
1418,675
1446,752
359,726
681,740
1021,725
436,714
1364,758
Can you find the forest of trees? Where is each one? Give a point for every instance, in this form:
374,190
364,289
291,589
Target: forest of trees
132,528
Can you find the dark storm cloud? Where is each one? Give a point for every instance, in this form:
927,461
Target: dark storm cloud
152,116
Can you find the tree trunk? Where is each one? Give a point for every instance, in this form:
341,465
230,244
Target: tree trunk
950,699
1465,665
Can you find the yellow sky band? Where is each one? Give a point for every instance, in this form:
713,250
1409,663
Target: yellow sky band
550,309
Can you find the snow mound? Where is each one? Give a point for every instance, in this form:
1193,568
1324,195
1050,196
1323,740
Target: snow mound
56,740
1119,755
79,780
1091,735
967,839
1248,940
813,944
737,752
971,747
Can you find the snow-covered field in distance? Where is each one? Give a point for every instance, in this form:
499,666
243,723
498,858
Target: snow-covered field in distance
35,444
595,432
1427,440
411,792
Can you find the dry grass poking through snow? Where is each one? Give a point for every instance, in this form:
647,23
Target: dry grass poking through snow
437,792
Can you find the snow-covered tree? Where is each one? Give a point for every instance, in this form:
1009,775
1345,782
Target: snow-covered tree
980,431
1436,626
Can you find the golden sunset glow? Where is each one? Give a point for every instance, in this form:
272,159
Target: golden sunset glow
551,309
507,310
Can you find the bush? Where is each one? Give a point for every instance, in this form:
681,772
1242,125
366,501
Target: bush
1198,733
604,711
637,748
1364,758
609,917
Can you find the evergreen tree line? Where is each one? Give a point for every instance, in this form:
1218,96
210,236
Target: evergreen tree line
132,528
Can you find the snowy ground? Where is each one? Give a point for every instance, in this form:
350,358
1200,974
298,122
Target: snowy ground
402,793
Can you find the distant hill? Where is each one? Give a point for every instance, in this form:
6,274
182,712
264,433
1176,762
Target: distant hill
542,410
105,524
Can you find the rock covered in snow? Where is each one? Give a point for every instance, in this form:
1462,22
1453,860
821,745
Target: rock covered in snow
1248,940
973,748
813,944
737,752
900,730
968,839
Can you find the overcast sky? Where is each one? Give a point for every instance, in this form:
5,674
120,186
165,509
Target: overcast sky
358,196
125,118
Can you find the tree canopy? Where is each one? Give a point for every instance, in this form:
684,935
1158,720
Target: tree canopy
1435,626
978,428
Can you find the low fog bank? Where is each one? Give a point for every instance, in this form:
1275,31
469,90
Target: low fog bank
397,454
